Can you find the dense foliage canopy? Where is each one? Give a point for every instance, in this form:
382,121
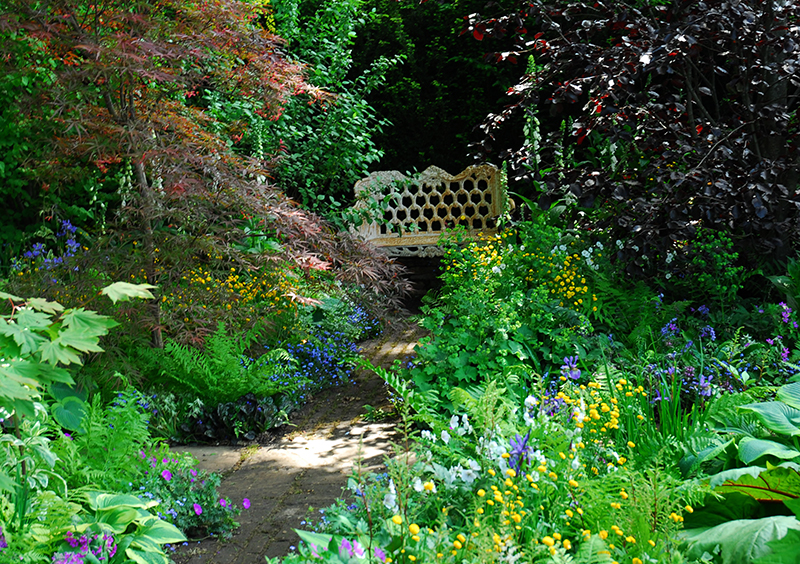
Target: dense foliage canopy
659,116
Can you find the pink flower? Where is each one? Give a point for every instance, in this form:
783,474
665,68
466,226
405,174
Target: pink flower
193,472
223,503
198,509
246,503
167,475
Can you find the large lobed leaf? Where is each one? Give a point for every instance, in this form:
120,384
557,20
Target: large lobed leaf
773,483
743,541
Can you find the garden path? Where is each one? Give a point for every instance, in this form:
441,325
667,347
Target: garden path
306,467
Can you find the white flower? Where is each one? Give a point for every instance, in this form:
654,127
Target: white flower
496,269
600,245
468,476
446,437
427,435
390,499
619,244
417,484
669,275
586,254
522,247
454,422
576,463
562,248
635,248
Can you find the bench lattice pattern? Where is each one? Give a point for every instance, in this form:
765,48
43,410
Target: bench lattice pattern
421,209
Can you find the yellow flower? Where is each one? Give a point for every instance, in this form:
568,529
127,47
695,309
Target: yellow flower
481,493
397,520
631,444
548,541
511,472
457,545
603,534
689,509
573,483
413,528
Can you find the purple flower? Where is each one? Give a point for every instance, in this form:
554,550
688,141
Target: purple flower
167,475
520,450
3,543
708,331
246,503
380,554
223,503
570,368
193,472
197,509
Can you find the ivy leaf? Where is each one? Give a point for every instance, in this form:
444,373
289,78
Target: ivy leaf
124,291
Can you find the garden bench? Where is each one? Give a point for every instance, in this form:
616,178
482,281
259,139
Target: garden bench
418,211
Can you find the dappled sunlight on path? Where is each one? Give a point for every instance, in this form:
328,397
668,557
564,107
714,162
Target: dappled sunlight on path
307,467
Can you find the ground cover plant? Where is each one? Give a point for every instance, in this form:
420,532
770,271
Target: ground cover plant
71,489
543,426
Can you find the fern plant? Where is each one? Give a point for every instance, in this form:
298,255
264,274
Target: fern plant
221,372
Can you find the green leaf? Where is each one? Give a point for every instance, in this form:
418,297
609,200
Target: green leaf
124,291
774,483
784,550
317,539
6,483
13,298
752,449
142,557
776,416
55,352
27,340
100,501
79,340
118,518
790,395
69,413
17,380
158,531
741,541
88,323
40,304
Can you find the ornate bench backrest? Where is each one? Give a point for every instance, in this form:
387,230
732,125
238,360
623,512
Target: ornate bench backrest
421,209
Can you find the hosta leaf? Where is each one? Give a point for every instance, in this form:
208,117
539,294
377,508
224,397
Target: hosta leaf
752,449
790,394
124,291
774,483
159,532
776,416
740,542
